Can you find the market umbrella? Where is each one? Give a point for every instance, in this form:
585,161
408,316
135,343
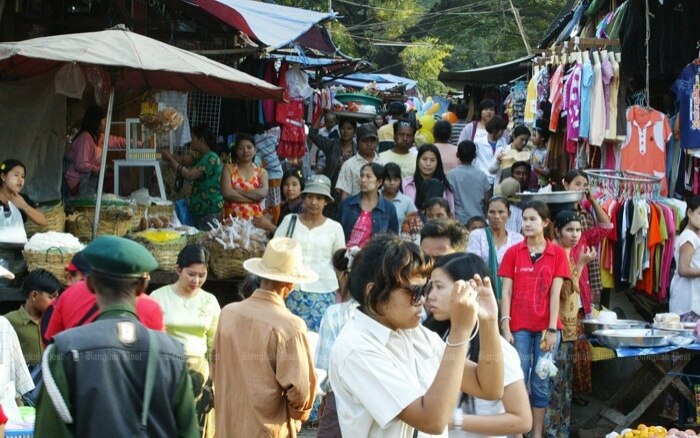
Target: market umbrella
135,62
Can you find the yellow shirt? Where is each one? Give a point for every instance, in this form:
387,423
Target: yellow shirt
386,132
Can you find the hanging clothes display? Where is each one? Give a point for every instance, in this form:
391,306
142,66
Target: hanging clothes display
687,89
644,148
639,251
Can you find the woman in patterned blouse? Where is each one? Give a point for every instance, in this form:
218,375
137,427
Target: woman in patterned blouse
243,184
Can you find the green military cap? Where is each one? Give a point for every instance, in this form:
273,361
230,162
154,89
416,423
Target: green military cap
119,257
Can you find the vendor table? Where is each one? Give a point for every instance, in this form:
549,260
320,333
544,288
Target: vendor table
663,363
139,163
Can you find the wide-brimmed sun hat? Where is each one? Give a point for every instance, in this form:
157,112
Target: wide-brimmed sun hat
281,261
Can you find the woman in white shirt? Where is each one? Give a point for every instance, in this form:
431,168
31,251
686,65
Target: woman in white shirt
492,242
510,415
319,237
390,375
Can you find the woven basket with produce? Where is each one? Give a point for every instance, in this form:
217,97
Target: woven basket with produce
165,245
116,217
55,220
232,244
51,251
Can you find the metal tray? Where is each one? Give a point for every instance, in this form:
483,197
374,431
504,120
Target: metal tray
355,115
566,197
640,338
591,325
687,331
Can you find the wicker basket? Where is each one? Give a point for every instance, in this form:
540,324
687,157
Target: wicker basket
165,253
228,263
53,260
135,222
162,209
55,220
114,220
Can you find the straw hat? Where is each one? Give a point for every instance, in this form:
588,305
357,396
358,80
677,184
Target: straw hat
281,262
508,187
6,274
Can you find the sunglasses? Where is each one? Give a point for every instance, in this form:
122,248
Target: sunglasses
418,291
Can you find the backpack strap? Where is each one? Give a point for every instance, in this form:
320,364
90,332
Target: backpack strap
151,368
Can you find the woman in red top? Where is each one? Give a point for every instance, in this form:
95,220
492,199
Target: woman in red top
533,272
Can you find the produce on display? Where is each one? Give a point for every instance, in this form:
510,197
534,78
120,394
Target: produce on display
644,431
65,242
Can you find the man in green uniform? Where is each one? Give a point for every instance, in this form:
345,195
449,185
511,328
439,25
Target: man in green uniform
115,377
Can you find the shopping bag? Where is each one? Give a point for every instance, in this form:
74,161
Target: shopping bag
12,226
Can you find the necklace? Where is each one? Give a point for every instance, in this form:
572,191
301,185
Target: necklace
186,301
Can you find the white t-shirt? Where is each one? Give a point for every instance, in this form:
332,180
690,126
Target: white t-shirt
512,372
317,248
479,244
685,292
376,372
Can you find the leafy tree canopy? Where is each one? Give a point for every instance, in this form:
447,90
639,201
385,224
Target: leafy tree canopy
438,34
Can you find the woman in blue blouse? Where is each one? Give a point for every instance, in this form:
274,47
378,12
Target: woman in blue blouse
368,213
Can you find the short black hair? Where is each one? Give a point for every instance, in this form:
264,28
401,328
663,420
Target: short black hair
248,285
387,262
466,151
442,131
474,219
496,124
442,202
41,280
521,164
449,228
205,133
462,111
115,289
520,130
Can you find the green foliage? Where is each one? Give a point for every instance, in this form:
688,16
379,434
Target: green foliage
478,32
424,61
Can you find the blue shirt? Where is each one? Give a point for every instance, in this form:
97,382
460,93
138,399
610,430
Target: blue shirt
266,152
586,86
383,215
404,205
688,83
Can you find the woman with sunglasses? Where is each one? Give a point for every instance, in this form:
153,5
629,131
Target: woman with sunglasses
391,376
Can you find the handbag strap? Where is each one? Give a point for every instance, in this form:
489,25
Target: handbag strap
151,366
493,263
291,226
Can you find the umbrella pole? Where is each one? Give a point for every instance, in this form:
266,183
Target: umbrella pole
103,165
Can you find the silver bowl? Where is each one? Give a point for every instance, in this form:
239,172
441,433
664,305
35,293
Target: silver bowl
566,197
688,330
591,325
640,338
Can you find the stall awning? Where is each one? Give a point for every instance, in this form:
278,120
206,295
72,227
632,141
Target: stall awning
273,25
492,75
384,81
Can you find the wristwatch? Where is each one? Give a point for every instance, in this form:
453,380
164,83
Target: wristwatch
551,330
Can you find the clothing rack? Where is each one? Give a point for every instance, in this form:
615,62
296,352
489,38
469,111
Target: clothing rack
621,182
623,175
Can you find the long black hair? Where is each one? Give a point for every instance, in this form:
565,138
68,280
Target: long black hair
439,173
693,204
91,121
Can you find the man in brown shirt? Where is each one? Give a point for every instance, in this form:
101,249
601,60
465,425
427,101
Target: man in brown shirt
261,364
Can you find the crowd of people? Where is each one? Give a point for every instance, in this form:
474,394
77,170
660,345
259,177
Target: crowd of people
420,273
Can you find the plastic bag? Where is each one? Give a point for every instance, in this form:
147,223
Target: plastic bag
12,226
545,366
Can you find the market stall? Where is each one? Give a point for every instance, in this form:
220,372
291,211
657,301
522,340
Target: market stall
126,61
